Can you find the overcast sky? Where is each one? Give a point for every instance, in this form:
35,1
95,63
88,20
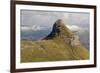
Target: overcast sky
41,20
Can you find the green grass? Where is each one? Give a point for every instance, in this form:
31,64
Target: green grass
51,50
65,31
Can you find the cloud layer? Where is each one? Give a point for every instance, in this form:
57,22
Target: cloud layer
34,28
74,27
40,20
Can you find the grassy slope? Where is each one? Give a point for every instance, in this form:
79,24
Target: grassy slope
54,49
51,50
65,31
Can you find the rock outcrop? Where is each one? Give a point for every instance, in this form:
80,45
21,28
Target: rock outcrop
62,31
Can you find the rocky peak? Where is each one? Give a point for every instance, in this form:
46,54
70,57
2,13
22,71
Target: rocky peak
62,32
59,22
59,29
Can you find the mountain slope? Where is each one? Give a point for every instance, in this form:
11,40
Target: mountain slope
60,44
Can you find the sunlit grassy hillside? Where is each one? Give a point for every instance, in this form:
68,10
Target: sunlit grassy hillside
51,50
60,44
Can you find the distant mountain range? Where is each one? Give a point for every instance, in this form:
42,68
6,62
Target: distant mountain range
60,44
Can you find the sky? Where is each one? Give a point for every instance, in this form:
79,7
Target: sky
44,20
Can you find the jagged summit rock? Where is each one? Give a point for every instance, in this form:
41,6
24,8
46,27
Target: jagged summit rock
59,22
59,29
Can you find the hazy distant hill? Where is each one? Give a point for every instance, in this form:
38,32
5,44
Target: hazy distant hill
60,44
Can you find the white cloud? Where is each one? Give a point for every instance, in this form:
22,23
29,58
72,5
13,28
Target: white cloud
34,28
25,28
74,27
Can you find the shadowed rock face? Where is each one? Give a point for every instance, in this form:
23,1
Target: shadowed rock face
56,30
